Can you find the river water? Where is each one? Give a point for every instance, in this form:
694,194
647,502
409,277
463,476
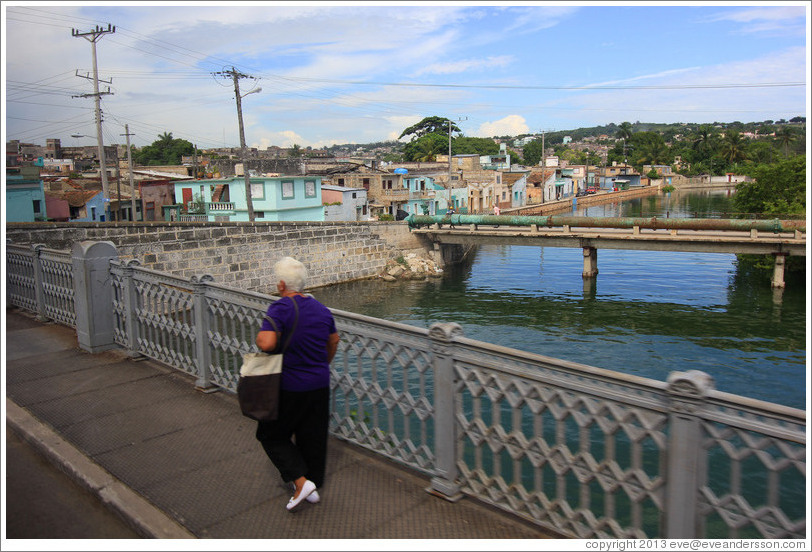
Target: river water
647,313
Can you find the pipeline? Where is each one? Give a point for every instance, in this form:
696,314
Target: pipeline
744,225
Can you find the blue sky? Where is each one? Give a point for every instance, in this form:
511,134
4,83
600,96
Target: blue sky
334,73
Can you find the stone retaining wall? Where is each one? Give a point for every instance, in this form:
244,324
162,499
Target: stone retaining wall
238,254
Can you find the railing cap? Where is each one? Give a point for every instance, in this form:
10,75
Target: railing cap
693,383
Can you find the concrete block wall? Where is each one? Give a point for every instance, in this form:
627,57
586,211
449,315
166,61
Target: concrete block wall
239,255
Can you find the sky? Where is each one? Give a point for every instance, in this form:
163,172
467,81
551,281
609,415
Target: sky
335,72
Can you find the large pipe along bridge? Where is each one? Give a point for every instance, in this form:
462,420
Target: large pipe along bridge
780,238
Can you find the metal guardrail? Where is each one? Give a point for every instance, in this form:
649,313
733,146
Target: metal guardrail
581,451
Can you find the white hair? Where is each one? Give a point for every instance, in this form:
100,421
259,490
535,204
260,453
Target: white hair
292,272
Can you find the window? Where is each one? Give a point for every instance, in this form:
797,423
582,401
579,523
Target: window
287,189
37,206
310,188
259,214
150,210
257,191
341,182
366,183
353,195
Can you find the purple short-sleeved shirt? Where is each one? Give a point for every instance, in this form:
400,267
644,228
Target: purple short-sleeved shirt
305,367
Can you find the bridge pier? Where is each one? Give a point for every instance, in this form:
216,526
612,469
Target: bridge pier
590,262
778,270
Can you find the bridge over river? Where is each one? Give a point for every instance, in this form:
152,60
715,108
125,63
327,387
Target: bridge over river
779,238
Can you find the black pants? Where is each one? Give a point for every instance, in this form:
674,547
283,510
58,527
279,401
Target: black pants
304,415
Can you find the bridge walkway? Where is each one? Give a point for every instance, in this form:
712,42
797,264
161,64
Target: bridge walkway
178,463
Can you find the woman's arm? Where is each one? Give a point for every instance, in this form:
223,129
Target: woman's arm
332,346
267,340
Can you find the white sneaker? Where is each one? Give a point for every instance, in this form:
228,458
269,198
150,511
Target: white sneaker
307,489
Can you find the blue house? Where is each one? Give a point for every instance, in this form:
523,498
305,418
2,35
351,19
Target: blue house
422,192
25,195
95,209
276,198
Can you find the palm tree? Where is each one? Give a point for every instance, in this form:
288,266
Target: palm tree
733,147
427,150
705,139
654,152
785,137
624,132
165,139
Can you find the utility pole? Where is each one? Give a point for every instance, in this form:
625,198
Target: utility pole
93,37
449,150
130,170
236,76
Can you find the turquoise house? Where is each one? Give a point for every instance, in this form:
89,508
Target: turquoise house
274,198
25,195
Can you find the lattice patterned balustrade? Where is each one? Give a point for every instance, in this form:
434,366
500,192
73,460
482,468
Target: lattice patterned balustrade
382,388
586,452
57,286
234,318
21,287
579,454
755,471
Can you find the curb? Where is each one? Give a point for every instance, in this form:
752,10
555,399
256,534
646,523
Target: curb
147,520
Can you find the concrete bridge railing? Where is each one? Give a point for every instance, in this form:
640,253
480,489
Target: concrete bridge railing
585,452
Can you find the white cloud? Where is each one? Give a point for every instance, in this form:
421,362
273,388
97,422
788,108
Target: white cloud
511,125
283,139
466,65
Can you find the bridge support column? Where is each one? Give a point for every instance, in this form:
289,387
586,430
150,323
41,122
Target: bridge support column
590,262
778,271
448,254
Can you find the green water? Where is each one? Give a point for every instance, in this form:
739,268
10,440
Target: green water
648,313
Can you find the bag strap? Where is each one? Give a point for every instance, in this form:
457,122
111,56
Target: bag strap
292,329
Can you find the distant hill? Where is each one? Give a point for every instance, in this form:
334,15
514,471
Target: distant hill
580,133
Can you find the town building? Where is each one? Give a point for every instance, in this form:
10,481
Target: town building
342,203
273,199
25,195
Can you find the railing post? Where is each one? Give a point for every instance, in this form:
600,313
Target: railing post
39,290
201,320
686,463
130,298
93,295
445,484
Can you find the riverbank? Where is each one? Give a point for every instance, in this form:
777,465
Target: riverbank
566,205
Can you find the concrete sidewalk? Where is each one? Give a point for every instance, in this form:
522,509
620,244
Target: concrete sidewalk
178,463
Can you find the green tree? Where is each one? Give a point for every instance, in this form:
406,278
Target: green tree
430,125
704,141
624,131
533,153
163,151
732,148
651,149
777,189
481,146
785,136
425,148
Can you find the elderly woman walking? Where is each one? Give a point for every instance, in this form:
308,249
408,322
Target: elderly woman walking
304,402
